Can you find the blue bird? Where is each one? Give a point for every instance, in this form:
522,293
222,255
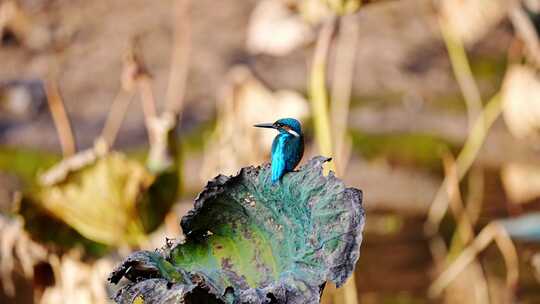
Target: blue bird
287,147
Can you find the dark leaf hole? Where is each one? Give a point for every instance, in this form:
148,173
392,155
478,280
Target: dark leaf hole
272,298
201,296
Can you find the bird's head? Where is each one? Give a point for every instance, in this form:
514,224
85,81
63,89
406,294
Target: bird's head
285,125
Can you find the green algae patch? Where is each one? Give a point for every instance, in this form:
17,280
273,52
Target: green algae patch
249,241
26,163
414,149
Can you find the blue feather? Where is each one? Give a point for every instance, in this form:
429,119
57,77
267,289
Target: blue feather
287,148
279,161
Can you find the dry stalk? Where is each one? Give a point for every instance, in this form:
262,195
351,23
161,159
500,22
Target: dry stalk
526,31
179,58
346,43
144,84
463,235
465,227
492,232
479,122
116,116
462,71
60,118
464,161
475,195
318,92
135,76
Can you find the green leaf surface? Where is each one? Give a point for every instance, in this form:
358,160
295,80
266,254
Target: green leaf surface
249,241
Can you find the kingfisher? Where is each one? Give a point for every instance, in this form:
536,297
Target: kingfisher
287,147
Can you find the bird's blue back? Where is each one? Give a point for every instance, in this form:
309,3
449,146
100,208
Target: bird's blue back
287,151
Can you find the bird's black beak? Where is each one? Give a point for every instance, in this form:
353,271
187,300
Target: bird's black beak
265,125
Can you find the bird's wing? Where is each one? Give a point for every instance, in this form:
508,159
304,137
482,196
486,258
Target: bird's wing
278,158
296,152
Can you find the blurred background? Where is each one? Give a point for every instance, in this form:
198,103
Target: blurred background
114,114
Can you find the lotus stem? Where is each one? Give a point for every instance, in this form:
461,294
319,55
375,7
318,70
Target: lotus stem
493,231
179,58
116,116
464,160
462,71
60,118
318,92
344,67
526,31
